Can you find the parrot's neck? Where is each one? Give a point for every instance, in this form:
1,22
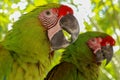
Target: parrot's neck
53,30
86,67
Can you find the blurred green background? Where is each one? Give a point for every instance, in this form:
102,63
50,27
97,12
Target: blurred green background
93,15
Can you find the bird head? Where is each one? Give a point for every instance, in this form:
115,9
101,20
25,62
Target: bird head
102,48
57,19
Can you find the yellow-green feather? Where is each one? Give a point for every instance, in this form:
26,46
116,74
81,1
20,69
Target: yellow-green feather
29,46
5,63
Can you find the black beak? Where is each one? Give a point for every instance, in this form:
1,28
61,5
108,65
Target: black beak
70,24
59,41
106,52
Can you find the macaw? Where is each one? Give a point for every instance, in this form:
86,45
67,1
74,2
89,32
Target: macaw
25,50
81,60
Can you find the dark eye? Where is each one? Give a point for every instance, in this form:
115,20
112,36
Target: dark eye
48,13
93,40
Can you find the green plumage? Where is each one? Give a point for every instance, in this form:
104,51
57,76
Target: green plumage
5,63
24,53
78,62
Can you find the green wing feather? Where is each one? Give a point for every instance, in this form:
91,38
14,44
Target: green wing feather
63,71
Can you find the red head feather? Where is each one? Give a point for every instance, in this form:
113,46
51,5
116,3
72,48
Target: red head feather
96,43
108,40
64,10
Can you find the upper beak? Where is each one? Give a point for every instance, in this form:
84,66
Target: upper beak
106,52
70,24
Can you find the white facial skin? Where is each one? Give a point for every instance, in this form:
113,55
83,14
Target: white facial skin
95,44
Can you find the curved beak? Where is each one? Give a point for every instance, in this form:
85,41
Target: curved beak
106,52
70,24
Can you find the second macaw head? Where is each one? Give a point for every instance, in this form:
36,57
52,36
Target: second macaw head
57,19
102,47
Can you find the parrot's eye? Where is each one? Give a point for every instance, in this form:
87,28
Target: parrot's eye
48,18
93,40
48,13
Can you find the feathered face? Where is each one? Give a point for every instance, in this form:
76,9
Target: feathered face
102,48
55,20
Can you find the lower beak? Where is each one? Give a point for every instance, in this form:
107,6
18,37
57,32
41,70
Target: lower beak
70,24
106,52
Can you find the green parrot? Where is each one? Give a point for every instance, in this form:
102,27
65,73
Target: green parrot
81,60
26,49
